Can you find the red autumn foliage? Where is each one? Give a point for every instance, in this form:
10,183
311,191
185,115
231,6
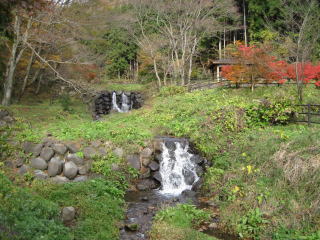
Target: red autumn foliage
254,64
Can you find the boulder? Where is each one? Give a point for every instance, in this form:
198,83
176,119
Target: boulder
19,162
3,113
74,147
157,176
46,153
199,171
23,169
189,177
197,159
171,145
147,184
36,150
59,148
134,161
3,123
89,152
72,157
27,147
70,170
8,119
189,194
38,174
55,166
154,166
133,227
158,157
146,153
68,214
145,173
59,179
81,179
96,143
39,163
157,145
83,169
118,152
146,161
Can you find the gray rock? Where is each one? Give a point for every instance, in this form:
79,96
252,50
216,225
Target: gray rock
39,163
158,157
73,147
75,158
89,152
23,169
146,174
157,176
59,180
36,150
46,153
83,170
189,193
8,119
9,164
118,152
147,184
157,145
102,152
189,177
199,171
146,161
134,161
3,113
27,147
70,170
133,227
68,214
146,153
81,179
96,143
55,166
3,123
197,159
154,166
59,148
38,174
19,162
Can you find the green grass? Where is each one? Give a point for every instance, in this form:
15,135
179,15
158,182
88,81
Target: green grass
179,223
231,127
275,170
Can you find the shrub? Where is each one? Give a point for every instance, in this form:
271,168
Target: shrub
172,90
266,112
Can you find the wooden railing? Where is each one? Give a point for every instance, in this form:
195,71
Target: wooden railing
310,114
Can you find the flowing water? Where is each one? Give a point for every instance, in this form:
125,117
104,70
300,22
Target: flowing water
125,103
177,170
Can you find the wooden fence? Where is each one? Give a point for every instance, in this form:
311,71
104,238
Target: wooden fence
310,114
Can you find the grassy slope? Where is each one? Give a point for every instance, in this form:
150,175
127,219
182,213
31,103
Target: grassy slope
215,121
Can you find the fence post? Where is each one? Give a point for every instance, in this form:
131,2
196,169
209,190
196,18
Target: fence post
309,115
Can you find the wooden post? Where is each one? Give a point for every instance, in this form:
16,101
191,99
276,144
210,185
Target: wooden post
309,115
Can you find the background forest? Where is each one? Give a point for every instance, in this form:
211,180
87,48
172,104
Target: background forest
76,43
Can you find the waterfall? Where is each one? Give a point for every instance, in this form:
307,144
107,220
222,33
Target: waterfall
125,103
178,172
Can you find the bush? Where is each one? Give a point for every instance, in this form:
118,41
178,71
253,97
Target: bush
266,112
25,216
172,90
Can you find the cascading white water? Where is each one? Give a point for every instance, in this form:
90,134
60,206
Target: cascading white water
125,106
178,172
125,103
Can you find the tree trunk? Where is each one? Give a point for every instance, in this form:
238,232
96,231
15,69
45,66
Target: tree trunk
156,72
11,64
25,80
